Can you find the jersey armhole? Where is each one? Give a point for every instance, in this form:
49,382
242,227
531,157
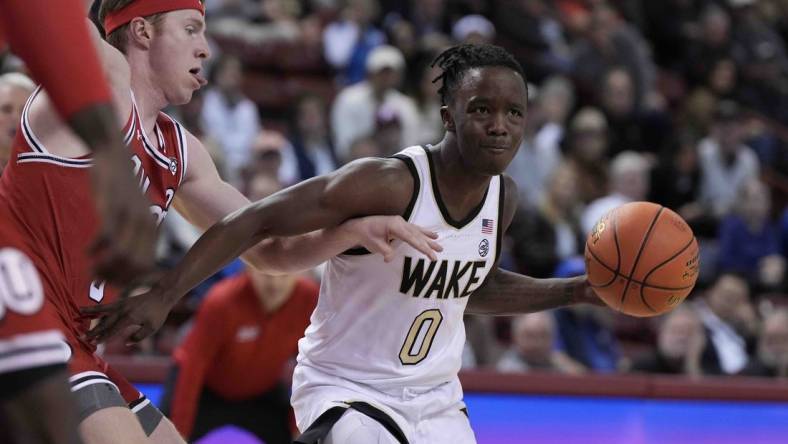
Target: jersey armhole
501,207
408,210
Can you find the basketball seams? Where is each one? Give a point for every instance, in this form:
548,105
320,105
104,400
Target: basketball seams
637,258
660,265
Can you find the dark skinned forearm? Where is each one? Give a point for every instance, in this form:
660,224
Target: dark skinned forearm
507,293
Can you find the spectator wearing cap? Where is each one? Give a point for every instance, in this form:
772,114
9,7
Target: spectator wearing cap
348,42
629,182
356,107
587,152
474,29
726,163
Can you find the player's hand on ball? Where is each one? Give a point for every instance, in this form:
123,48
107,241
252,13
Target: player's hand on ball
584,294
147,312
375,233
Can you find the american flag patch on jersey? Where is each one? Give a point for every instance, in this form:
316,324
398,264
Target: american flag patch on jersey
487,226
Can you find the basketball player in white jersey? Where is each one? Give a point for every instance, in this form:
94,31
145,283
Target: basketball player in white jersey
379,362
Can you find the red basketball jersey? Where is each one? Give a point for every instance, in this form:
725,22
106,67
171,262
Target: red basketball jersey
49,203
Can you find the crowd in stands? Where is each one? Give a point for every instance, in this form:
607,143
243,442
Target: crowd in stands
680,102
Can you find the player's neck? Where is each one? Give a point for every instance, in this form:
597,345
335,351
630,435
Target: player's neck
148,95
460,188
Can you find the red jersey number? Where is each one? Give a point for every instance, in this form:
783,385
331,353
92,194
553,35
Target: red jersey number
20,287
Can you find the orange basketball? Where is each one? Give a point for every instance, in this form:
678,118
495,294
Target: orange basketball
642,259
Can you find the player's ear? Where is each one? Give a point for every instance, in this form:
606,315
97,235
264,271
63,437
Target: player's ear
448,119
141,32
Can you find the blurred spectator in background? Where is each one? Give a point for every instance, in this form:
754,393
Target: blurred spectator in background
429,17
630,127
355,107
363,147
629,182
760,52
310,137
540,151
675,182
771,359
474,29
15,88
612,42
348,42
587,152
731,324
725,162
274,156
585,332
711,45
533,340
230,367
532,31
428,104
680,343
670,25
230,117
750,240
388,131
544,235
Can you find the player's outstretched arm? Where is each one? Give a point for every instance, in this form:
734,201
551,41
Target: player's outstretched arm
355,190
507,293
204,199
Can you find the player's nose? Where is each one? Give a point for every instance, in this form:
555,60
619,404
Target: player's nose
497,125
203,49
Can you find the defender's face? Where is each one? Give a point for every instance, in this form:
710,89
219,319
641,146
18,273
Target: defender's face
488,114
177,53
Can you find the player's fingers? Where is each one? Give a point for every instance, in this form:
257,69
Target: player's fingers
99,310
143,332
429,233
108,327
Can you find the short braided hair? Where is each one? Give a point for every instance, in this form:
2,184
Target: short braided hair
456,60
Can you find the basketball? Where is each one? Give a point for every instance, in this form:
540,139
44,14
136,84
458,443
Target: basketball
642,259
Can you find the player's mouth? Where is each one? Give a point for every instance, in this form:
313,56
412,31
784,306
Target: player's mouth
195,72
496,148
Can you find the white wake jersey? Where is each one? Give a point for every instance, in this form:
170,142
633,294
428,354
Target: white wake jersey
401,323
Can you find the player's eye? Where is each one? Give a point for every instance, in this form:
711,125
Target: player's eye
516,112
480,110
190,30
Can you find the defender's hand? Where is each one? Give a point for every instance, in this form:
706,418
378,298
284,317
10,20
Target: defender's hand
147,311
124,248
375,233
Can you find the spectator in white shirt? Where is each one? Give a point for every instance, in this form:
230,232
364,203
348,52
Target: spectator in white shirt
229,117
629,182
355,108
725,162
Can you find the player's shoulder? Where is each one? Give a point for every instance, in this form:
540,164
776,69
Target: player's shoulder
511,197
383,171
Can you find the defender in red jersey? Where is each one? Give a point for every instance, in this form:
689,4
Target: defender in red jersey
45,192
